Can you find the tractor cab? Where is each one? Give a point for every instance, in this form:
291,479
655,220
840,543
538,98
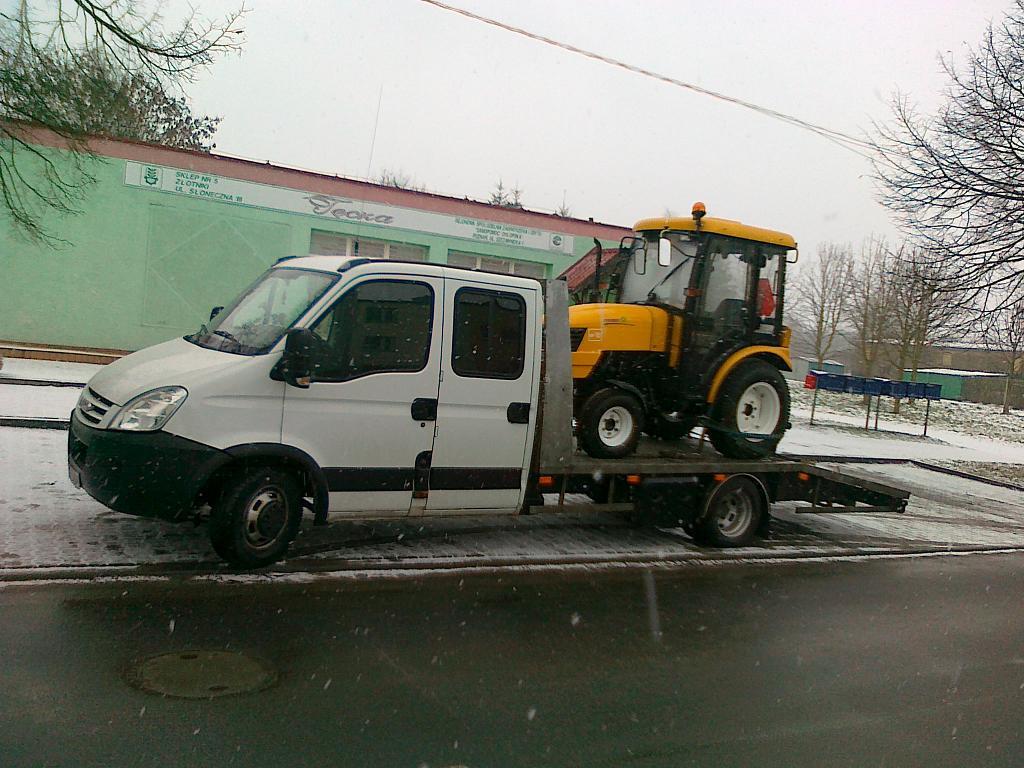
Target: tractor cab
682,306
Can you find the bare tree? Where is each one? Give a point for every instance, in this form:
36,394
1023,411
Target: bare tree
1004,333
38,42
871,304
922,314
954,179
821,298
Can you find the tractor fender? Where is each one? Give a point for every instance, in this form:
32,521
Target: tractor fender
633,390
777,356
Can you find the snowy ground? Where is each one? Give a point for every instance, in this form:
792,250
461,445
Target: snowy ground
47,524
47,370
947,416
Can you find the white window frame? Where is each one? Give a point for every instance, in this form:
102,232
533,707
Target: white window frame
511,262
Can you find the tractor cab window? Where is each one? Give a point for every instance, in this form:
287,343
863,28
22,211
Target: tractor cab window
663,285
728,275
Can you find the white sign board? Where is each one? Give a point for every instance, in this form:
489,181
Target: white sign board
226,190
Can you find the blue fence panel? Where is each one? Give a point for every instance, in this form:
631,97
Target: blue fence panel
855,385
933,391
877,387
916,389
898,388
832,382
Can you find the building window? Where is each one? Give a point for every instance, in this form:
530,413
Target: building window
502,266
334,244
380,326
489,339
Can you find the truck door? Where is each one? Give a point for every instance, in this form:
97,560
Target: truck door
369,412
485,418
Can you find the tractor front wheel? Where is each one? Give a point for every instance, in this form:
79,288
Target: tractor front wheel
609,424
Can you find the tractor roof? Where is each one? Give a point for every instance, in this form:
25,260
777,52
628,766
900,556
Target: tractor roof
726,227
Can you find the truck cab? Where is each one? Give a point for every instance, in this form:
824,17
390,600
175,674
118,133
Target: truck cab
349,386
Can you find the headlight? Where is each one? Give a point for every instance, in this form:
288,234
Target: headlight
150,410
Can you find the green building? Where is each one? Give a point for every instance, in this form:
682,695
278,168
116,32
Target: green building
164,234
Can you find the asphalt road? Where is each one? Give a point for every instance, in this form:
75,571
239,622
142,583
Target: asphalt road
881,663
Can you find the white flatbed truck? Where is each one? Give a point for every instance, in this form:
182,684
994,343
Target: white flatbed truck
366,389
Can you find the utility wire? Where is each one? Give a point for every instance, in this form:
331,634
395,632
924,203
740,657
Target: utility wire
844,140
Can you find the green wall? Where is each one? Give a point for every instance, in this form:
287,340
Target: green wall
141,266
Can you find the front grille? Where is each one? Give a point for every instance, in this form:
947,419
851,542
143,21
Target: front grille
93,407
576,336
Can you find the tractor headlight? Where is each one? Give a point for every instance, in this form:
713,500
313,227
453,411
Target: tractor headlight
150,410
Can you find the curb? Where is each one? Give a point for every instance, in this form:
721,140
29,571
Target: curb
183,571
40,382
33,422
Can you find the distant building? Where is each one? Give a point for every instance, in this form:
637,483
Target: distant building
973,386
165,234
803,365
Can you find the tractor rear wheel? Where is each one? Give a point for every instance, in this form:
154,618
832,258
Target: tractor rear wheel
609,424
751,412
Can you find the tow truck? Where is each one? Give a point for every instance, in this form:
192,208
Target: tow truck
353,388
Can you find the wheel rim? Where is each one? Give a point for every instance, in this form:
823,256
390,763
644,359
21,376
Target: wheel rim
735,511
759,410
266,517
615,426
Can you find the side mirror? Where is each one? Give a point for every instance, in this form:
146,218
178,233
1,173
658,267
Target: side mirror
215,311
664,252
296,366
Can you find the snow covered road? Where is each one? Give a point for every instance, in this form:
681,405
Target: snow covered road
48,526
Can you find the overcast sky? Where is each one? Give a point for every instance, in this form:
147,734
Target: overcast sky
463,104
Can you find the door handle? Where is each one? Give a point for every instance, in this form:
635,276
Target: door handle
424,409
518,413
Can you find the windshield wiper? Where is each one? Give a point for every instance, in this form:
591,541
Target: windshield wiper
650,293
225,334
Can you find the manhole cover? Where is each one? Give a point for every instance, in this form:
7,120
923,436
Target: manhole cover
201,674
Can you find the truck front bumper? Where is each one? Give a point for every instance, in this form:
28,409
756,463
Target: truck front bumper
149,474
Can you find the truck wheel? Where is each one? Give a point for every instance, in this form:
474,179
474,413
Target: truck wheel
733,513
610,423
666,426
751,412
256,517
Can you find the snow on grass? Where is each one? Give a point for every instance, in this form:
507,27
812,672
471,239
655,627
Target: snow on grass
977,419
38,401
47,370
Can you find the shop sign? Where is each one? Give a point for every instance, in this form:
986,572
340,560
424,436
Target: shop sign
221,189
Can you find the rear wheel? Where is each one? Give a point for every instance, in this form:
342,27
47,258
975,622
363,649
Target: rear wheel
751,412
733,513
256,517
609,424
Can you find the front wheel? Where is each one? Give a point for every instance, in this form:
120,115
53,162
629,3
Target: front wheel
609,424
751,412
256,517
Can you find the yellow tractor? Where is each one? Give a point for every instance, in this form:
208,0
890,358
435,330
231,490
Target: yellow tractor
684,327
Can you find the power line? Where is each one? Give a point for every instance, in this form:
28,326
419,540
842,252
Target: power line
844,140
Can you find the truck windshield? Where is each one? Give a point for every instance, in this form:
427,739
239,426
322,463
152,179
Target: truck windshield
264,311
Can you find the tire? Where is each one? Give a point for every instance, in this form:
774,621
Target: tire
610,423
256,517
664,427
754,399
732,514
